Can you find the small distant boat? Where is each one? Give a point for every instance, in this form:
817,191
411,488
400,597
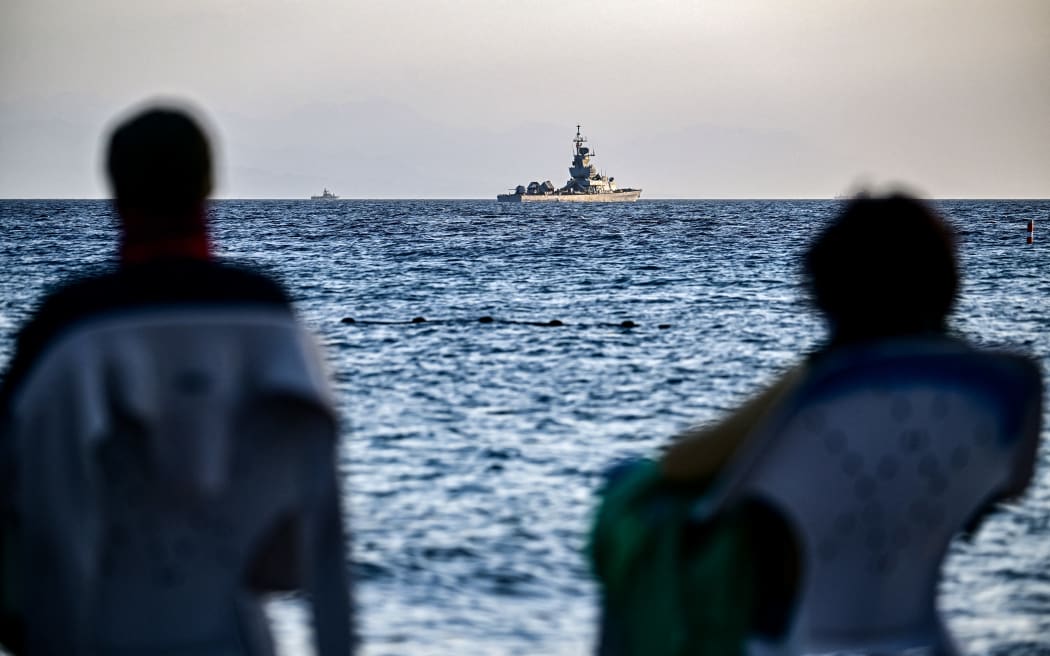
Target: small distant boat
327,195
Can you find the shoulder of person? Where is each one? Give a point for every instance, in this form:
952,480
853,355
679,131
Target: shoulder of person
62,305
65,301
253,282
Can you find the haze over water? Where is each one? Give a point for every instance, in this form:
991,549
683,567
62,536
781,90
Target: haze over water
471,451
416,98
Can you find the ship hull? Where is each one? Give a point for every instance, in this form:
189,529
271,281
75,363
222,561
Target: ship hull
626,196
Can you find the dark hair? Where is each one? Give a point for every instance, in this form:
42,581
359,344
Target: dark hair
885,266
159,163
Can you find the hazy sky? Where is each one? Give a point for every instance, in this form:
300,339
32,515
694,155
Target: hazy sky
465,98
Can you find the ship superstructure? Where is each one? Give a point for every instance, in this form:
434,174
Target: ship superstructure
585,184
326,195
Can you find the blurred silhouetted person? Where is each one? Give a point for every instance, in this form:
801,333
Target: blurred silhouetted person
876,450
172,436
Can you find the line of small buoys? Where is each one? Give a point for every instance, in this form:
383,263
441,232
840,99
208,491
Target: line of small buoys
553,323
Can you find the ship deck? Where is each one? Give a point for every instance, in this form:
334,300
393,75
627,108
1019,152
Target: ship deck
623,196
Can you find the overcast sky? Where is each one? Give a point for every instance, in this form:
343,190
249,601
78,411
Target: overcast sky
465,98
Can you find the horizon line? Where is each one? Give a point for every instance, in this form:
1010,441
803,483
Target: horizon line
489,198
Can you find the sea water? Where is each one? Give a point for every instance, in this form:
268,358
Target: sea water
471,451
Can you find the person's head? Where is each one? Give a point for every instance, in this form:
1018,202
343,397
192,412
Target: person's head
885,266
160,171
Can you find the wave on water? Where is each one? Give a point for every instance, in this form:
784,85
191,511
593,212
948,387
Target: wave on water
472,448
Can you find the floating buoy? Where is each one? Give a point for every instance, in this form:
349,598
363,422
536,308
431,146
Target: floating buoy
1031,231
488,319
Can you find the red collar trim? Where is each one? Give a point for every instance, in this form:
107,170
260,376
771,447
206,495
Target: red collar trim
194,247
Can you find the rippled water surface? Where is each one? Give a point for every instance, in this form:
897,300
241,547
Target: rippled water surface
472,450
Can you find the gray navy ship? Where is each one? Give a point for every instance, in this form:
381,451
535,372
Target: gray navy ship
327,195
585,186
